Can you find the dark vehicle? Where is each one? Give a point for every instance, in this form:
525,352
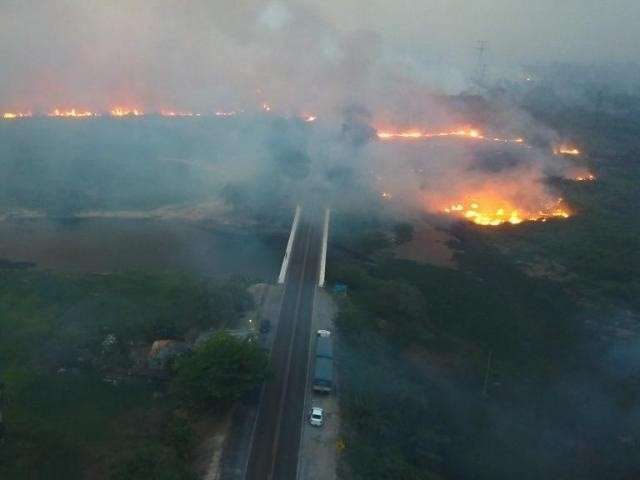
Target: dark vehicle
323,369
265,326
324,347
323,375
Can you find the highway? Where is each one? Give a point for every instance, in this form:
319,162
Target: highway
276,435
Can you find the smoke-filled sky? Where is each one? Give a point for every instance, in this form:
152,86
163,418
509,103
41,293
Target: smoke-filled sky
588,31
309,55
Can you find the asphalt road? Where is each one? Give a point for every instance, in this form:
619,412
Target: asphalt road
276,437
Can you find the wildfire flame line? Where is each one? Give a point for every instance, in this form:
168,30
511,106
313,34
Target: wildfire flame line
565,150
125,112
589,177
136,112
491,214
14,115
415,134
470,133
73,113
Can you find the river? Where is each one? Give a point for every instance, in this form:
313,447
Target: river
107,245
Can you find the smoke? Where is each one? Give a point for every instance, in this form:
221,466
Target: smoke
201,54
293,58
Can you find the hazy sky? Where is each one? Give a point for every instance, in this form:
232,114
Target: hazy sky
517,30
230,53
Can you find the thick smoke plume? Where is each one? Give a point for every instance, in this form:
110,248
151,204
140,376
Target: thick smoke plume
271,64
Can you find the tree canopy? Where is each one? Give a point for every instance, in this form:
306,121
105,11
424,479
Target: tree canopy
220,370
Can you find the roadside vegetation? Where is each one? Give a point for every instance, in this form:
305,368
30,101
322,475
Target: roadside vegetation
79,398
220,370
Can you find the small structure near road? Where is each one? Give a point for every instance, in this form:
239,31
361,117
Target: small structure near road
163,351
339,289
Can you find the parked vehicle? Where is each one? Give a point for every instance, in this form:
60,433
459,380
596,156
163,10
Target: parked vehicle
323,375
265,326
323,368
324,347
316,417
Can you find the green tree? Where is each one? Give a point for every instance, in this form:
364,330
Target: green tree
221,370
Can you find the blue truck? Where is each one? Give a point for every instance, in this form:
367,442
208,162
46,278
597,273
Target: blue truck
323,364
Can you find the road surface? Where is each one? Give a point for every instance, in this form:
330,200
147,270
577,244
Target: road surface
276,437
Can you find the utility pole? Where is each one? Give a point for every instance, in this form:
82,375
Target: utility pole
486,374
481,66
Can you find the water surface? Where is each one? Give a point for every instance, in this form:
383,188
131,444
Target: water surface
107,245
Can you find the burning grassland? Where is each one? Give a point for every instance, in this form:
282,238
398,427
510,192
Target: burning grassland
581,174
466,132
14,115
489,210
72,113
566,150
390,134
131,112
488,180
482,173
126,112
587,177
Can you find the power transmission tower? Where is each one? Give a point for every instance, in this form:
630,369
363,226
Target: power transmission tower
481,66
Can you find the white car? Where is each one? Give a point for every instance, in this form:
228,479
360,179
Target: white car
317,417
324,333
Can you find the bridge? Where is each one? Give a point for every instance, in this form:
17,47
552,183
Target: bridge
275,440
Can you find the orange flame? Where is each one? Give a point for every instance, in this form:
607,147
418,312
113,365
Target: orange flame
125,112
492,211
566,150
587,177
14,115
417,134
73,113
310,118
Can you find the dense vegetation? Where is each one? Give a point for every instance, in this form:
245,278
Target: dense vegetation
67,345
220,370
396,308
499,369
